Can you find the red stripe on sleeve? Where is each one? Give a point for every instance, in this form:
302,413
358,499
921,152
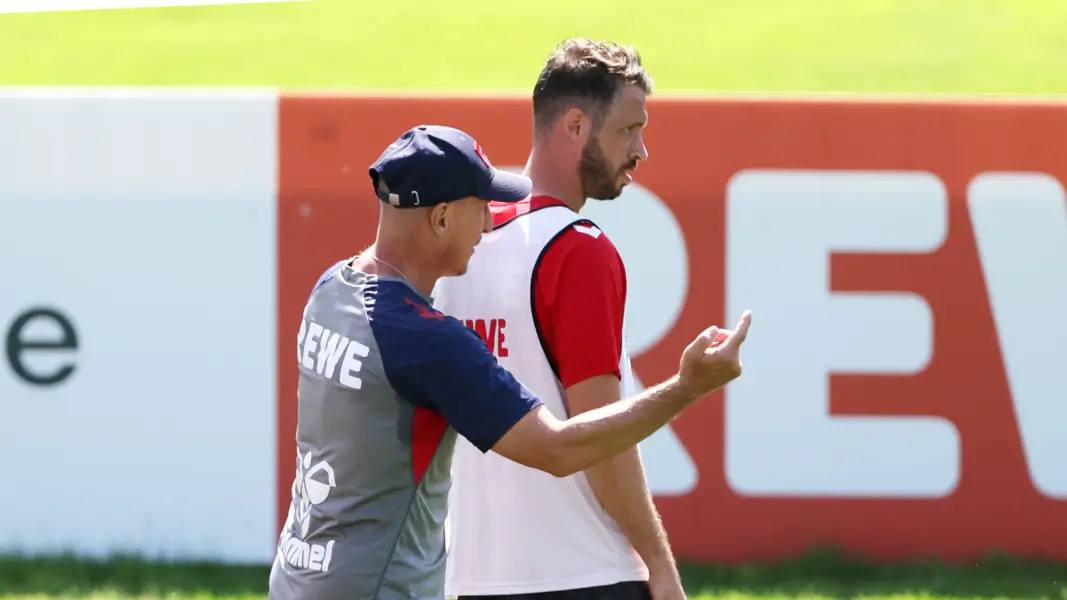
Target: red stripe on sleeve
428,428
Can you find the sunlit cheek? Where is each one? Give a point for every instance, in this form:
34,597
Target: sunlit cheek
623,153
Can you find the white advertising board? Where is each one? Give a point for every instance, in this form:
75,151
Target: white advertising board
145,421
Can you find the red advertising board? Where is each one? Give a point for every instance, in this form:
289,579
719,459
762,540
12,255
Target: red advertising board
905,261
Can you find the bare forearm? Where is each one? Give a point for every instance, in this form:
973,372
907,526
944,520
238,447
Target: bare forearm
599,434
541,441
620,486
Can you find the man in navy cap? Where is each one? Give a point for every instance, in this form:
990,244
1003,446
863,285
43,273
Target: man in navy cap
386,383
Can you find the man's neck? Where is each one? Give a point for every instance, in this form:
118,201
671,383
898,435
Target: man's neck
552,178
383,259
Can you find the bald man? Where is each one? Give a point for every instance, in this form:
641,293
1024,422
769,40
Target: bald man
387,383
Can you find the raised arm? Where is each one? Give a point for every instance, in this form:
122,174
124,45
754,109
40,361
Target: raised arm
562,448
440,364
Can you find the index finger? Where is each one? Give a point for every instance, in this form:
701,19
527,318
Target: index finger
741,331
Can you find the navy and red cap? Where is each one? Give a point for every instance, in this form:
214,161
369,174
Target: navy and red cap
432,164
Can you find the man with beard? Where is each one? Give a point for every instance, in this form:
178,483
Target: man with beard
546,289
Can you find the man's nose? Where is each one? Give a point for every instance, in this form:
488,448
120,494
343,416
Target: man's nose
642,152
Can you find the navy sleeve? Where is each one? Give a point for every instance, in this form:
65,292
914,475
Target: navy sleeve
434,361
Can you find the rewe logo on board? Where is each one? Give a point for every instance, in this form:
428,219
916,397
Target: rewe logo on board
25,6
905,264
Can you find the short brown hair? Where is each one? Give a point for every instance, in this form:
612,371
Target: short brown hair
588,74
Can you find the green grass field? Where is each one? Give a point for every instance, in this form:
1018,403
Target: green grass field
1001,46
884,46
816,576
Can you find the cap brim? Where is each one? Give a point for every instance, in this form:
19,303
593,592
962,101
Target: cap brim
507,187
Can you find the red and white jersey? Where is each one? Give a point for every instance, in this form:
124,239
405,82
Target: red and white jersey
546,290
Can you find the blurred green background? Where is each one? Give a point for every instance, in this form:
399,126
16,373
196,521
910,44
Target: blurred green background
958,46
483,46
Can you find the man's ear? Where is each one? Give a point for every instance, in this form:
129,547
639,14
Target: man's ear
577,124
439,218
